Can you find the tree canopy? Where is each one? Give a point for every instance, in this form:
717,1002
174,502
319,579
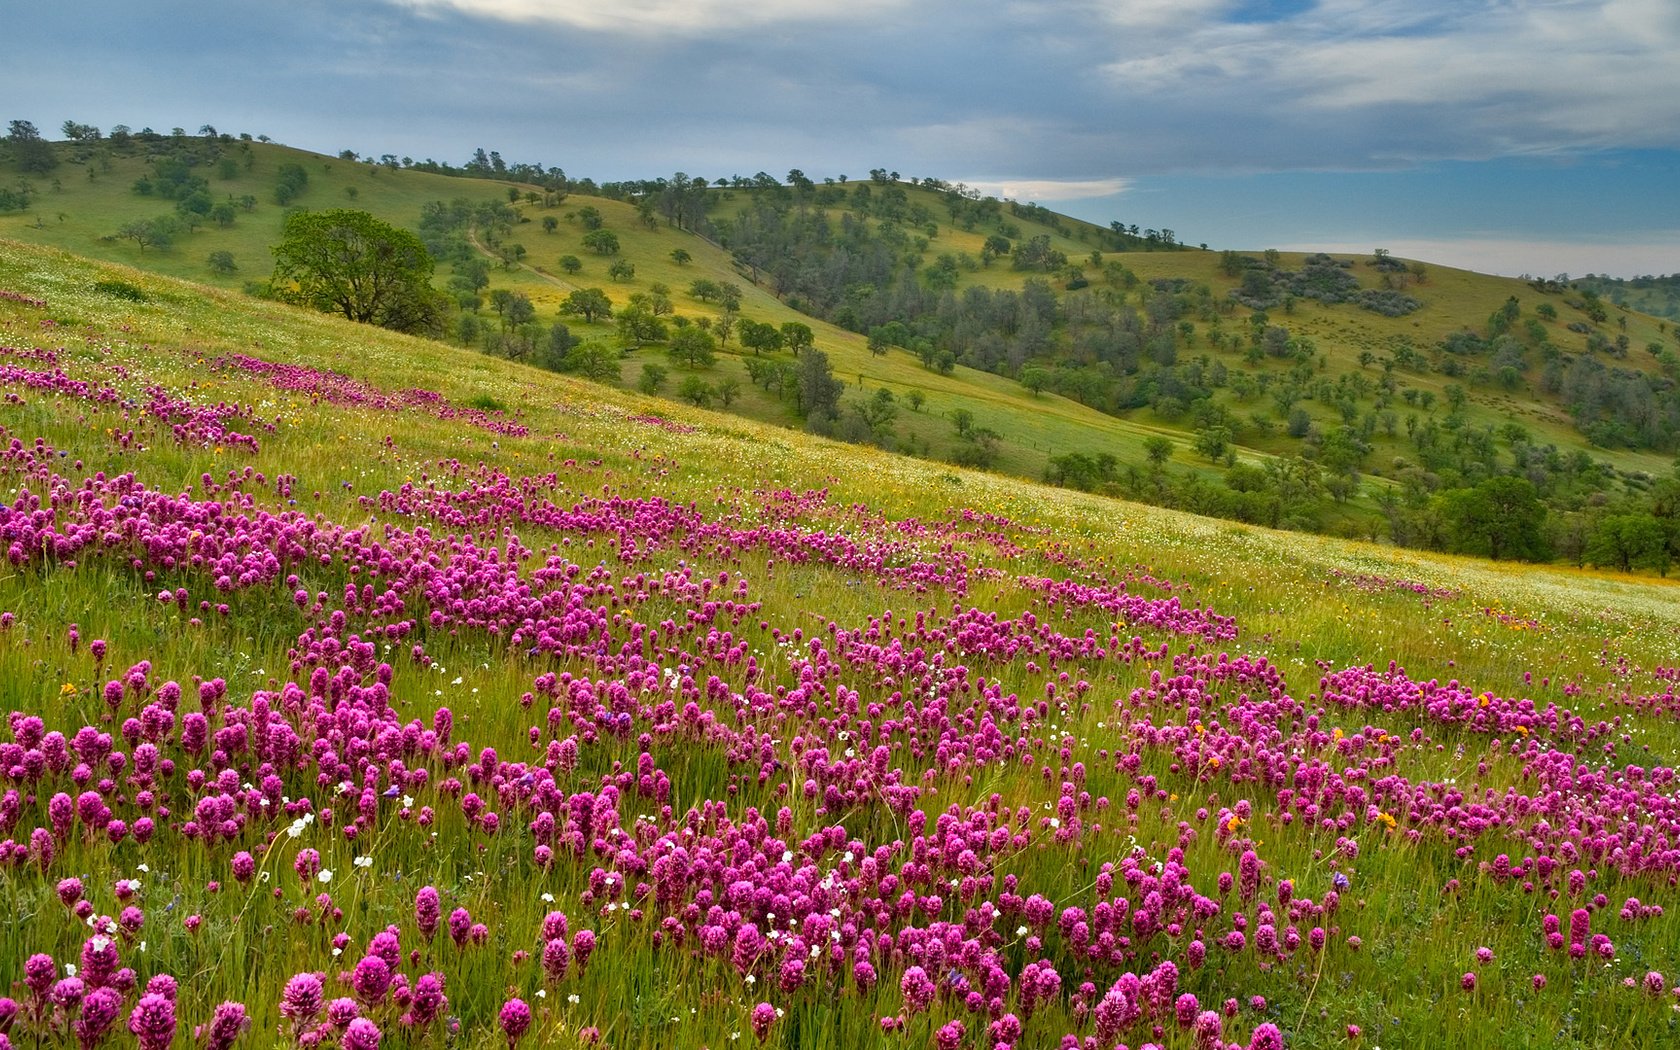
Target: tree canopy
349,262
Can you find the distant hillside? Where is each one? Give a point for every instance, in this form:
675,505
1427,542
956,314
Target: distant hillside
1657,296
1347,394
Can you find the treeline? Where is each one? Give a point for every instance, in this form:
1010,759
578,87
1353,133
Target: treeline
490,165
1552,506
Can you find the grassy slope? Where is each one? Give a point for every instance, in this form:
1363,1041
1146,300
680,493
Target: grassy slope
1292,611
75,212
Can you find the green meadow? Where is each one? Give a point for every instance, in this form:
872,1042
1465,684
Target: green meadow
1421,886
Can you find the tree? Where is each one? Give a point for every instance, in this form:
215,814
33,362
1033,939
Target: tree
622,270
818,390
552,353
520,310
30,152
597,361
571,263
194,208
1502,516
221,261
638,326
1037,254
550,224
472,275
980,448
797,336
293,179
601,242
1212,442
681,257
693,346
591,304
652,378
1630,541
727,390
759,336
879,411
695,390
1158,449
349,262
156,233
657,299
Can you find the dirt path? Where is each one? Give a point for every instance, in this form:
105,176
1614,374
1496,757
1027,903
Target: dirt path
472,239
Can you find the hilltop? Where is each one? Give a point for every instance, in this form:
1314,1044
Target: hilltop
1352,394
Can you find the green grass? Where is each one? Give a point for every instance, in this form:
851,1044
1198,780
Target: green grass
1402,986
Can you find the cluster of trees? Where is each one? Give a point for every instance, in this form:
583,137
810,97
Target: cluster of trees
180,169
1611,403
444,230
1288,492
817,395
873,270
1267,286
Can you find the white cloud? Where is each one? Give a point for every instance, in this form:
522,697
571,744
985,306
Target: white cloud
1491,77
1049,189
1160,14
1653,253
656,17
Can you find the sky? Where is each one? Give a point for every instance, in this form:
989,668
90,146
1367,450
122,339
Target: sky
1509,136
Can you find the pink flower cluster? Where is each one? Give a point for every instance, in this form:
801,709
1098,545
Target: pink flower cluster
339,389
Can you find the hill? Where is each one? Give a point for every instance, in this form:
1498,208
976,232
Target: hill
1658,296
1353,395
357,668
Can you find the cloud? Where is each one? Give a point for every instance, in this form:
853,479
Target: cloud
655,17
1161,14
1041,190
1477,79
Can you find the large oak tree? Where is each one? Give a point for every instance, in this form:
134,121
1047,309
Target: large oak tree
349,262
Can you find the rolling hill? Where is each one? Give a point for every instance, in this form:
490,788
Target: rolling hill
1280,398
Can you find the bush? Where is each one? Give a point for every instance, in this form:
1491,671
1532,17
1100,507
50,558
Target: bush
652,378
1387,303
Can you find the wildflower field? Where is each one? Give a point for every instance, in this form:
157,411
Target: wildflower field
362,692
